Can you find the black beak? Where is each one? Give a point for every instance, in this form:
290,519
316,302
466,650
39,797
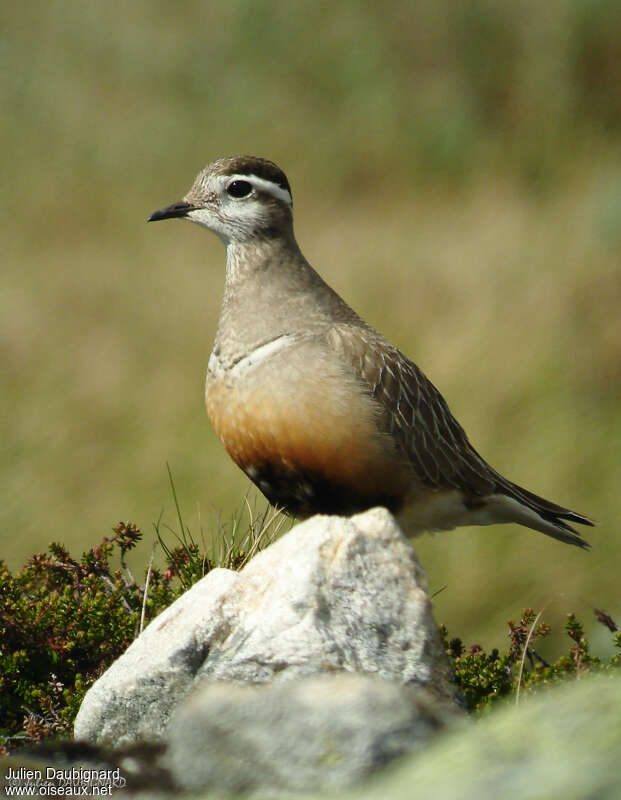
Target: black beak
176,210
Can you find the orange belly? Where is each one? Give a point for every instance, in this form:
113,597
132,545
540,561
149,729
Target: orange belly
312,446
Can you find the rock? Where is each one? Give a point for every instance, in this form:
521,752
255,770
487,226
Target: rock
334,594
565,742
319,732
132,700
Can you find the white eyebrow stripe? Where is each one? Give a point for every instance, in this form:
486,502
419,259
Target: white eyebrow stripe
267,186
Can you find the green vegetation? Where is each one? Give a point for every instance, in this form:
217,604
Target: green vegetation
484,678
455,169
63,621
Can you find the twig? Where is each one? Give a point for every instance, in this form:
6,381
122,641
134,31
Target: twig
524,651
146,589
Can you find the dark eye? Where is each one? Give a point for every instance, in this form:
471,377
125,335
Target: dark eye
239,188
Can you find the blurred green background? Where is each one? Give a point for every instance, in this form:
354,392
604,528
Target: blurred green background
457,177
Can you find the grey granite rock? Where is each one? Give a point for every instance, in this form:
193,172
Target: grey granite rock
333,594
132,700
319,732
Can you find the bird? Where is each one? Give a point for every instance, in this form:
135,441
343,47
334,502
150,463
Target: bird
320,410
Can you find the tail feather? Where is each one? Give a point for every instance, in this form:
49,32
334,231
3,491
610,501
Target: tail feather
549,518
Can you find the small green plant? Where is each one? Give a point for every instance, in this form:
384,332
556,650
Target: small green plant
484,678
62,622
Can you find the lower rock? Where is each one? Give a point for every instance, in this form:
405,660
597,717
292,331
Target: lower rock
322,732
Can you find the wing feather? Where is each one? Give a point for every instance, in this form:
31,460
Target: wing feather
414,411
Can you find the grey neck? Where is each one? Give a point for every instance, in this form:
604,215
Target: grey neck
270,291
